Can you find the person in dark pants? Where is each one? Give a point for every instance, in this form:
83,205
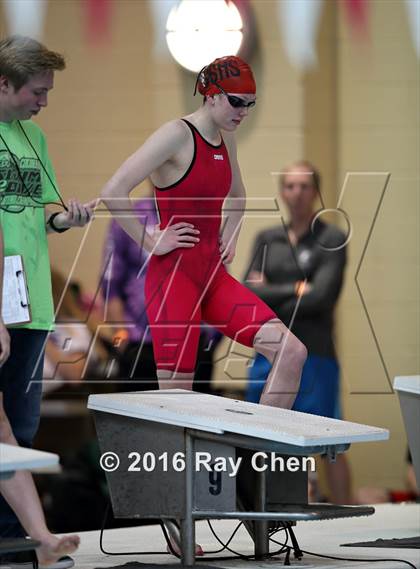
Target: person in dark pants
298,271
27,185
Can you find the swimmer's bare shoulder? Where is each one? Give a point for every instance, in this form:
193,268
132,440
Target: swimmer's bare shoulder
173,137
177,143
167,140
160,148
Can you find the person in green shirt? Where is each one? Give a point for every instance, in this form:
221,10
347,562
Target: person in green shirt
4,344
27,186
4,334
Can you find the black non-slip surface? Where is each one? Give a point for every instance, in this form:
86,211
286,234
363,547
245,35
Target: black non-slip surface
13,545
138,565
397,543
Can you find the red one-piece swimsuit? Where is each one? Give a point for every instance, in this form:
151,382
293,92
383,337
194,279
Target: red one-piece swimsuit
188,286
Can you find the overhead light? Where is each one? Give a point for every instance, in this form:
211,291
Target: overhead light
198,31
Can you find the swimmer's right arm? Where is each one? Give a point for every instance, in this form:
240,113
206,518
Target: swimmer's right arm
158,149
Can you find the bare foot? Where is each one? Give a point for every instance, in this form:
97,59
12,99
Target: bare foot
52,548
198,549
175,539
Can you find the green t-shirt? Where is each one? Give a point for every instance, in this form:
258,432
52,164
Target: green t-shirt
24,231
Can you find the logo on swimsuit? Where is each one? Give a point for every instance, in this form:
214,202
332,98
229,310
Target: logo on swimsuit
218,156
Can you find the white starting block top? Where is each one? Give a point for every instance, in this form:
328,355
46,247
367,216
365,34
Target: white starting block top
14,458
408,384
222,415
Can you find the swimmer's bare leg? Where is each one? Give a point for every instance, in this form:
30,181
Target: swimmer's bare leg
21,495
287,355
175,379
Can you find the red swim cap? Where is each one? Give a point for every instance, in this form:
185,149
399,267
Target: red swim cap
231,73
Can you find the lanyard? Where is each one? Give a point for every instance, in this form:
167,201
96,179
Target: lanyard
61,202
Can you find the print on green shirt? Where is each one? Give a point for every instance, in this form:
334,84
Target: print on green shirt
24,191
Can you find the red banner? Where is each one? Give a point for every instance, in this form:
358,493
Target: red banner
357,15
98,20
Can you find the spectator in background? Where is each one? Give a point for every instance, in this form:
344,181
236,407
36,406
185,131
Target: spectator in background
303,263
373,495
70,354
123,293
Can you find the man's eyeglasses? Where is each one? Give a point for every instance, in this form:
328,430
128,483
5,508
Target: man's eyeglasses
237,102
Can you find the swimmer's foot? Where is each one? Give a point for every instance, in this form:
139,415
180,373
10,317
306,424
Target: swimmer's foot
52,548
175,540
198,549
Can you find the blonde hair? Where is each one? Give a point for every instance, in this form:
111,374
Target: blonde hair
21,57
316,176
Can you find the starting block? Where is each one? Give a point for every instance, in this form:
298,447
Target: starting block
13,458
182,455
